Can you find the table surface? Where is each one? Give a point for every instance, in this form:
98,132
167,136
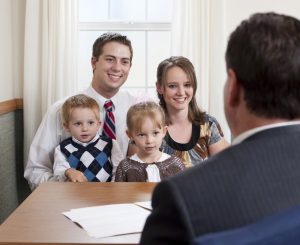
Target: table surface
39,218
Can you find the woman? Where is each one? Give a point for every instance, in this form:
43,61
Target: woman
192,135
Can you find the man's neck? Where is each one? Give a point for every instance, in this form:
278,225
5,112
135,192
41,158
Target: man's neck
105,94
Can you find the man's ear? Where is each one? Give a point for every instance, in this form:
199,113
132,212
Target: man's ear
93,62
234,89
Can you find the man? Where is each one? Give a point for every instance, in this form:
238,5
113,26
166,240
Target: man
111,63
260,173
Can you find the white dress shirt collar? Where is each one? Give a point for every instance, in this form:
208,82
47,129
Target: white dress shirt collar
100,99
87,143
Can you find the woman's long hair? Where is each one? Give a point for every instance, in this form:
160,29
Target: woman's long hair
194,112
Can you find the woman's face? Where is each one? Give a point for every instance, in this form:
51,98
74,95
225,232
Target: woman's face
176,89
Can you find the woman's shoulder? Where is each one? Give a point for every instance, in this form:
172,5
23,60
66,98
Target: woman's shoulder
211,128
209,119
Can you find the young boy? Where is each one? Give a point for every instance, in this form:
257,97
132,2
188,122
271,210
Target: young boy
85,156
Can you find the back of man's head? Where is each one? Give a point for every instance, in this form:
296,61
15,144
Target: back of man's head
264,52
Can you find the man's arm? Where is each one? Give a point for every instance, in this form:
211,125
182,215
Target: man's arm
168,222
39,167
116,157
60,165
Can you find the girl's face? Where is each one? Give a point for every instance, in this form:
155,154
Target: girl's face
177,89
83,124
148,139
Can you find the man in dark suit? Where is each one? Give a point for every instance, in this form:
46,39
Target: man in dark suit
260,173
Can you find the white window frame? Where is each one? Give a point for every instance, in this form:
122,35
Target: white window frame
145,26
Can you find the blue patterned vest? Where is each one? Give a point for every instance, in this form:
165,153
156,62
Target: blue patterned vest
93,160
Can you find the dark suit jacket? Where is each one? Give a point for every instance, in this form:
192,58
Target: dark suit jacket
238,186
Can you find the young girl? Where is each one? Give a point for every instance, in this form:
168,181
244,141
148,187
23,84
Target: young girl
146,128
85,156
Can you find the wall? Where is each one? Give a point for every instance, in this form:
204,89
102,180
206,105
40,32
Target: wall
12,16
6,81
236,10
13,186
226,15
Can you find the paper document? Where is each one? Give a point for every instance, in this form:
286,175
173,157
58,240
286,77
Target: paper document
110,220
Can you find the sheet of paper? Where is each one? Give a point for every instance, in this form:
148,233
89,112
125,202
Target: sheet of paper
146,204
110,220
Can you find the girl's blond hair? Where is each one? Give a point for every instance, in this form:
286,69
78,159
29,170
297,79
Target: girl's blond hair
137,114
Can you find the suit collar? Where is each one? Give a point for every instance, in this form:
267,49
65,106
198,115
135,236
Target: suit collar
243,136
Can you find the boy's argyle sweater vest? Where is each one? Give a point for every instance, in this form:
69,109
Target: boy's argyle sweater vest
94,160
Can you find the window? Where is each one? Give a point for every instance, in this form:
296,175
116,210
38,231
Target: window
147,23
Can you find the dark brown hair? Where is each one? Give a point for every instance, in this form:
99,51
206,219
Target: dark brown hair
110,37
264,52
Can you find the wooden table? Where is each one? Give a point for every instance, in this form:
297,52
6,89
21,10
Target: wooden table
39,219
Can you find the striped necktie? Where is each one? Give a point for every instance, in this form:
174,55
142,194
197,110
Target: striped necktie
109,129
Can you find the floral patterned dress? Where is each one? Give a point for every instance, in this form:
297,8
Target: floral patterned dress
196,150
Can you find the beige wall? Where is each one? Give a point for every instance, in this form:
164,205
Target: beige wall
237,10
6,79
12,15
226,16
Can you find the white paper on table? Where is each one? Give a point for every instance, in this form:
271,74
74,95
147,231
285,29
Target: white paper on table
146,205
110,220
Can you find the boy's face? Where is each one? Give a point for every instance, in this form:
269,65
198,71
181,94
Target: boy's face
83,124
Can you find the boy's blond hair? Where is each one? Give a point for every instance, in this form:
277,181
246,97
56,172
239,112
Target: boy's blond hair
79,101
137,114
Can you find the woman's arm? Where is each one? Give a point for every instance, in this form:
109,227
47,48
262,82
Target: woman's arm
218,146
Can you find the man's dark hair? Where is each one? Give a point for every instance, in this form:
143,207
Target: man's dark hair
110,37
264,52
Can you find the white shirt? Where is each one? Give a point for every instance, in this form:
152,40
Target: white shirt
253,131
51,132
61,163
152,170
